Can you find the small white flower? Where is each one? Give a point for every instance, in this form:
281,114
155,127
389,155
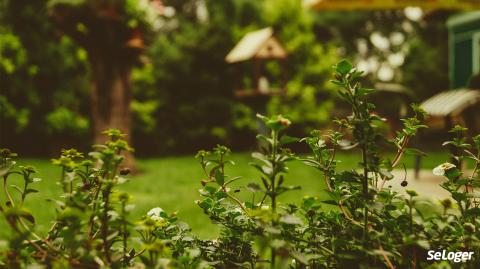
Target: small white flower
157,218
155,212
440,170
321,143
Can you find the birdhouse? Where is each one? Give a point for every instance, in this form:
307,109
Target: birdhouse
259,48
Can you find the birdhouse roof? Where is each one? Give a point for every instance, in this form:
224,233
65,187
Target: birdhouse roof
257,44
450,102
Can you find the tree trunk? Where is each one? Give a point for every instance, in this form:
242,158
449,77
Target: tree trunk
110,100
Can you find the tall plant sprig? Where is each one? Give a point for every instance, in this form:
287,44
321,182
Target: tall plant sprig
213,166
362,124
16,215
110,156
220,203
272,163
411,126
355,191
323,159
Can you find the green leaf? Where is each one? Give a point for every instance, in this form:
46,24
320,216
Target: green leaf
452,173
219,178
339,83
459,196
210,189
288,139
411,193
458,129
30,191
343,67
220,195
364,91
473,212
330,202
261,137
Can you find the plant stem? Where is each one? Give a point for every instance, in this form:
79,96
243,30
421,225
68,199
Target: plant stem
106,247
7,193
365,193
411,215
272,188
92,217
125,235
385,257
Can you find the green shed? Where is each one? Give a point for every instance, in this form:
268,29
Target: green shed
464,48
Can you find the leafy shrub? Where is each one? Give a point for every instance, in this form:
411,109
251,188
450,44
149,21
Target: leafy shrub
374,226
63,121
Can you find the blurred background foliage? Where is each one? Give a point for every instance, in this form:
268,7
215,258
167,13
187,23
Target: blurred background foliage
183,92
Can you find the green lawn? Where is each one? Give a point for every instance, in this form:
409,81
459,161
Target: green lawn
173,182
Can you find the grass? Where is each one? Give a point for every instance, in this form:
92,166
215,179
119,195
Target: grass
173,182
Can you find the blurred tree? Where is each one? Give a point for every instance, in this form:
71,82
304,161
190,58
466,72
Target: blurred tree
39,73
113,33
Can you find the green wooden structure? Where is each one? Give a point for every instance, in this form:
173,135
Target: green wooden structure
464,48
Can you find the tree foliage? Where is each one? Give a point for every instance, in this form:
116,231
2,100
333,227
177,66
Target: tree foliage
41,74
184,76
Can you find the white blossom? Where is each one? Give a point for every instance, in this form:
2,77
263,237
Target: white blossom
157,218
440,170
155,212
321,143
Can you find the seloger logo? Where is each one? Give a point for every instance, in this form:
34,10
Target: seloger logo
459,256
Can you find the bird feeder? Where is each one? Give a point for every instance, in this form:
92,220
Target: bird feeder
259,47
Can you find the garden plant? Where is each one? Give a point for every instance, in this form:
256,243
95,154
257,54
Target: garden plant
364,222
